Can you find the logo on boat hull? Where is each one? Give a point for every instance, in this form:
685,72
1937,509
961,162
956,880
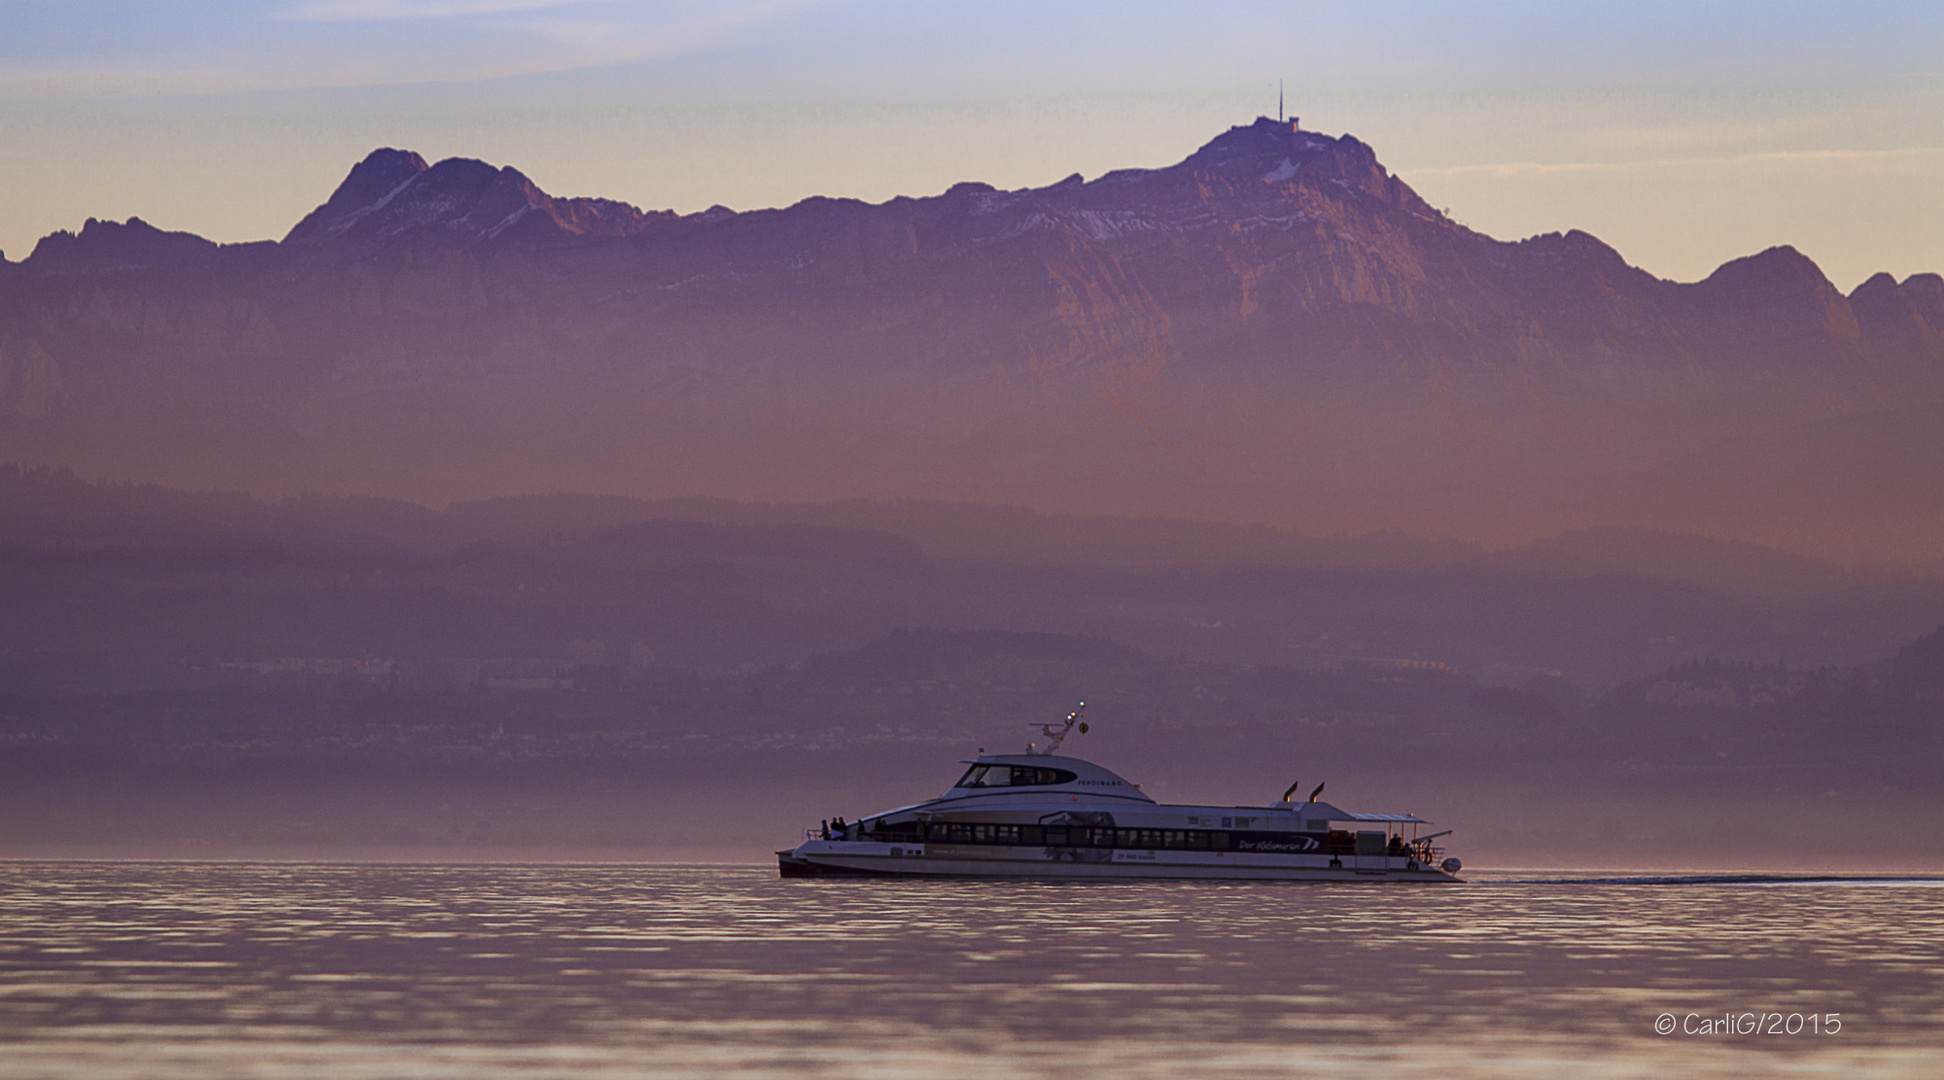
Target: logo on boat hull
1080,854
1098,819
1295,845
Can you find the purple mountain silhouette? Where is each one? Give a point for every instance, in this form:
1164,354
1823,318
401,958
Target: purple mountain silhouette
393,193
1275,329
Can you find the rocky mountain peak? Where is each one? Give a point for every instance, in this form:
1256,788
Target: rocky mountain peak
1280,152
1907,318
1262,141
369,184
393,193
1920,292
1926,288
1780,267
114,245
1782,292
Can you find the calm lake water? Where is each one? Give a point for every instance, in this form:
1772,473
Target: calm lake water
178,969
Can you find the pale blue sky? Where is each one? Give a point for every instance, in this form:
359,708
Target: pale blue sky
1683,133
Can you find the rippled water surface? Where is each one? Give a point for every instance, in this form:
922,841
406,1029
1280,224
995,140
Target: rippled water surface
313,970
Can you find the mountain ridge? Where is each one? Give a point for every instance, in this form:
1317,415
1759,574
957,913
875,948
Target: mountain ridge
394,191
1275,328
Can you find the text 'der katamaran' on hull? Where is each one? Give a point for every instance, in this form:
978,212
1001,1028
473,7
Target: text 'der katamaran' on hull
1042,815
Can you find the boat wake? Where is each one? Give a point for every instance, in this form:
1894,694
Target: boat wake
1726,879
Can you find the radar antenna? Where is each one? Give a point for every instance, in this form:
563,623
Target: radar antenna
1057,733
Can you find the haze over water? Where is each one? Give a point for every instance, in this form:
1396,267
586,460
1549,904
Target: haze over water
179,969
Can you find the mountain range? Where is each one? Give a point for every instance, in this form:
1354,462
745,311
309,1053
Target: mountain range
1276,329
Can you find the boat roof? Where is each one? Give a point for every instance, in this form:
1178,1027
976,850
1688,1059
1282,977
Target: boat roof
1083,777
1083,781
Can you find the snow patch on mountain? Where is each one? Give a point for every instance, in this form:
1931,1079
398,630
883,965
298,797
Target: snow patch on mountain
1260,221
1104,225
509,221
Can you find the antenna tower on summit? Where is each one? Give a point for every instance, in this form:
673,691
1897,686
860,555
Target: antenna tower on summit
1279,103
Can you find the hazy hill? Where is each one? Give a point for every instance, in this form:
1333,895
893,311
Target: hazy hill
1733,566
131,585
1273,330
54,508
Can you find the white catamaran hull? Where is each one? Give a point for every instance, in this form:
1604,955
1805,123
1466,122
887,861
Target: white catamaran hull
839,858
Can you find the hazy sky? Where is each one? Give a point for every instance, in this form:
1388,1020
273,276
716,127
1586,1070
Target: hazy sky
1684,134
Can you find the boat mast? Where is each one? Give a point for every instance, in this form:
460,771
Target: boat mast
1056,734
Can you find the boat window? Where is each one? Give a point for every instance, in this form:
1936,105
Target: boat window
951,833
1035,835
980,776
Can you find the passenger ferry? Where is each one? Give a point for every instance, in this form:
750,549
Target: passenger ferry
1041,815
